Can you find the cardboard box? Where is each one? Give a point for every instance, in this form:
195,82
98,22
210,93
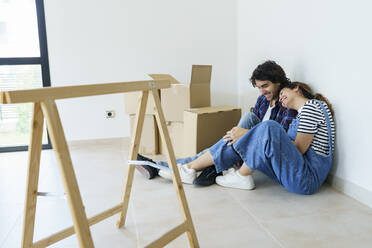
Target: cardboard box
132,99
176,134
149,143
203,127
179,97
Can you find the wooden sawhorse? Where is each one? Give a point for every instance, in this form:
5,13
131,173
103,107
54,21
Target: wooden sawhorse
44,106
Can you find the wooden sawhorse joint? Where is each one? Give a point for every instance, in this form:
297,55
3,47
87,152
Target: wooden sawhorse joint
44,107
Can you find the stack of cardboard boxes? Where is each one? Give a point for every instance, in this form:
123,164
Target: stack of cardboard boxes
192,123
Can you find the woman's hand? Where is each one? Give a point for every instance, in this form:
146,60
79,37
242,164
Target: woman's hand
234,134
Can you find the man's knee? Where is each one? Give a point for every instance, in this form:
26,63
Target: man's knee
248,120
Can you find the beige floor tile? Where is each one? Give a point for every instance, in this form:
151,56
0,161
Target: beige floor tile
13,168
9,215
229,226
338,228
274,202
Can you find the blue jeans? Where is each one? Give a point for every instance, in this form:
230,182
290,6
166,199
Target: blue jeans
248,121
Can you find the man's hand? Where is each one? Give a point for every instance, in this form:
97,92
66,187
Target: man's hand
234,134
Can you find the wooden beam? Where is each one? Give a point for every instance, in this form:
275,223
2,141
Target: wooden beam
70,230
38,95
168,236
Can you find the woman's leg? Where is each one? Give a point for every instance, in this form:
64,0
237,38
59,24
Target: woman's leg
245,171
268,148
253,148
224,157
205,160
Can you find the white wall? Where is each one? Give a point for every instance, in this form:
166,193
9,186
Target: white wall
324,43
328,44
95,41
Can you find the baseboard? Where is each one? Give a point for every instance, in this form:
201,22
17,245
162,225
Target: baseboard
351,189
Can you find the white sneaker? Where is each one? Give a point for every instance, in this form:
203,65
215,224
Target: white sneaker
187,175
233,179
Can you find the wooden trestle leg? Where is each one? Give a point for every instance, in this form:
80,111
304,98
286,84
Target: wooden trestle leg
136,137
60,147
33,175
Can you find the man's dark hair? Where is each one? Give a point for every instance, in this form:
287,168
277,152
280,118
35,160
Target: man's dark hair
270,71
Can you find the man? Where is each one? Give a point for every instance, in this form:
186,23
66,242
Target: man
269,78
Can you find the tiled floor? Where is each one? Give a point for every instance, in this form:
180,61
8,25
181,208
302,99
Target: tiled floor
268,216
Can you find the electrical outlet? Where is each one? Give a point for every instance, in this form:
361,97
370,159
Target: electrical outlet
110,114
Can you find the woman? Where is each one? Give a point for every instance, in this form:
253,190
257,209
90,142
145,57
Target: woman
299,160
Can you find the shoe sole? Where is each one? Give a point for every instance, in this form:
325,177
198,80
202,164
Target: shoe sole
167,176
203,184
206,182
143,171
233,187
198,184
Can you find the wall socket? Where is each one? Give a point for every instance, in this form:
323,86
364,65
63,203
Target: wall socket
110,114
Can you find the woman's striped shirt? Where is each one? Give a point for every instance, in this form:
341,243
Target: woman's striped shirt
312,121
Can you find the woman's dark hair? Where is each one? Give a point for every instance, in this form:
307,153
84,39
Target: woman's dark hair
271,71
308,93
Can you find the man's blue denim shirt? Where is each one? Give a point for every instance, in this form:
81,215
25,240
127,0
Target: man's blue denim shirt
280,114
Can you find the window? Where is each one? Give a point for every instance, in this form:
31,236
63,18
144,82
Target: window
23,65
